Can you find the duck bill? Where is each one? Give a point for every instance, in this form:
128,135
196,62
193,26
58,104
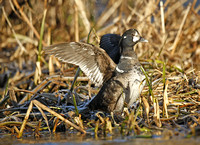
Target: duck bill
143,40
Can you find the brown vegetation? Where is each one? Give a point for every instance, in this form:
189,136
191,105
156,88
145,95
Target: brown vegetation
32,85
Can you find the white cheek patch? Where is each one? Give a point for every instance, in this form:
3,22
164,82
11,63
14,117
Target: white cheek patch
136,38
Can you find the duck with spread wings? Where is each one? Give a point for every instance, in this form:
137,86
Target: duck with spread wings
119,73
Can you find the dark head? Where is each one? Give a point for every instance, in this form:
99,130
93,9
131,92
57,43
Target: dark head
131,37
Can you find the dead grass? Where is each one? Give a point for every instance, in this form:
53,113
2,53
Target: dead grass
170,101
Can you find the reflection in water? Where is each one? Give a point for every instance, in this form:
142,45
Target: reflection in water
73,139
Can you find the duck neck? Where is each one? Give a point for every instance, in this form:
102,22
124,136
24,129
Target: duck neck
129,52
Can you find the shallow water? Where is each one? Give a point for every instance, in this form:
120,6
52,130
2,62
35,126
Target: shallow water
72,139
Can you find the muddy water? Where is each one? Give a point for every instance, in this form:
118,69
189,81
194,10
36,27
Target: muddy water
72,139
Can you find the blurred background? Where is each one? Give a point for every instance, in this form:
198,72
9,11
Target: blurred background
172,28
171,59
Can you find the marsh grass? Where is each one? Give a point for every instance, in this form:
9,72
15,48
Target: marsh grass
33,100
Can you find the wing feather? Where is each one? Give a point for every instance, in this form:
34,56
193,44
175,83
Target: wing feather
92,60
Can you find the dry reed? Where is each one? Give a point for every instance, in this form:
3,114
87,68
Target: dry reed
170,100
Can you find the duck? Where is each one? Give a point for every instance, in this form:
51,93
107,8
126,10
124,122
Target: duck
115,68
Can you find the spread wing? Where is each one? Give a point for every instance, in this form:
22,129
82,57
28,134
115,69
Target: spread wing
92,60
110,43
